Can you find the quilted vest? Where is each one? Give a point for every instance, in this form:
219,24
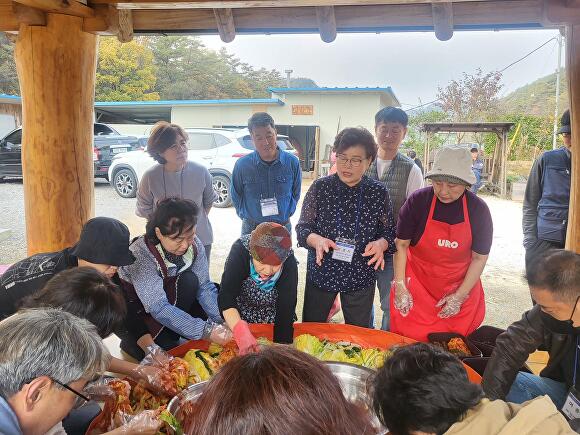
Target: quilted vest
395,179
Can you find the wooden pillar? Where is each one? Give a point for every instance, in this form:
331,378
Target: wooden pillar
573,69
56,66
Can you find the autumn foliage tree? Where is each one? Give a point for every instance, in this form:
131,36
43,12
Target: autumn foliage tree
472,98
125,72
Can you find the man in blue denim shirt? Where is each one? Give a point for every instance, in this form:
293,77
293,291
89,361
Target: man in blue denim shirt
266,183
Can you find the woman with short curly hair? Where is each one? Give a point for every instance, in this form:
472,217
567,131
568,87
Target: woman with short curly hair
347,226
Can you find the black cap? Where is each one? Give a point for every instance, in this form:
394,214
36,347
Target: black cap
565,123
104,241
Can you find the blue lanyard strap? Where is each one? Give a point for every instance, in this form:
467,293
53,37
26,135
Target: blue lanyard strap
358,208
576,361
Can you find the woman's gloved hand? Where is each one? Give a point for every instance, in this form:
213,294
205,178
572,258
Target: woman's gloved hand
451,305
244,339
217,333
403,300
144,423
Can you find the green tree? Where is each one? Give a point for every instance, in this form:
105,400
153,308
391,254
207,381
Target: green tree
416,138
8,77
125,72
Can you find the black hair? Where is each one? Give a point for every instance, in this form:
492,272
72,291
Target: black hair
412,154
557,271
391,114
86,293
260,119
172,216
163,136
422,388
354,136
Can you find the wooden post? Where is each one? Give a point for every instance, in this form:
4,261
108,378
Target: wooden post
316,152
56,66
573,69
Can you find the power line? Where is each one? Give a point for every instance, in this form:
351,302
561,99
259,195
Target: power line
500,71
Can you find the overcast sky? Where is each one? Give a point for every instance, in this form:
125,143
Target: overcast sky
413,64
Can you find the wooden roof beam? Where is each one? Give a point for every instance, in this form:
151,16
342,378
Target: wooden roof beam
348,18
326,23
562,11
224,19
29,16
65,7
246,4
443,20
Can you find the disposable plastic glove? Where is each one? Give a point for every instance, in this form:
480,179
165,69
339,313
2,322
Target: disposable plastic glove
144,423
217,333
451,305
244,339
403,300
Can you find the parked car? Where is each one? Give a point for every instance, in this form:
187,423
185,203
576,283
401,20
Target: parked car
107,143
215,148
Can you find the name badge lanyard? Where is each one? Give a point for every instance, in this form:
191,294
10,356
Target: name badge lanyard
576,362
571,407
357,221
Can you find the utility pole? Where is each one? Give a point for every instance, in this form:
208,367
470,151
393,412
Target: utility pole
558,71
288,72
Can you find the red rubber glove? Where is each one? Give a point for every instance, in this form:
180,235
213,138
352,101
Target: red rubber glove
244,339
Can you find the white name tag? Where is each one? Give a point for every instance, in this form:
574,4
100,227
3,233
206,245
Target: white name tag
345,250
269,206
571,408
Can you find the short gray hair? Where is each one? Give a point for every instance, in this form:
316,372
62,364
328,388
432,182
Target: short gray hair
48,342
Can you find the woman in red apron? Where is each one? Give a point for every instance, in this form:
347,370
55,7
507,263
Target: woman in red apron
438,264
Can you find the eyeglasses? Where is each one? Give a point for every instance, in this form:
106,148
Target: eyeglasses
177,146
80,400
355,161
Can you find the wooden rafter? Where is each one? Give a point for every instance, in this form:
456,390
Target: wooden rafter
326,23
125,26
225,24
65,7
443,20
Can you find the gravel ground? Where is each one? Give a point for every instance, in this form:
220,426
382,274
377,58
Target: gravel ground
506,292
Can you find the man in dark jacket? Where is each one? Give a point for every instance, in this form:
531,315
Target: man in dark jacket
552,325
103,245
545,209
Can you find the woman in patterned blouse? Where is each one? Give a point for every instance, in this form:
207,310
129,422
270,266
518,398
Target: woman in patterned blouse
259,285
347,225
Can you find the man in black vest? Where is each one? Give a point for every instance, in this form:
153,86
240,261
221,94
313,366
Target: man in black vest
547,197
401,176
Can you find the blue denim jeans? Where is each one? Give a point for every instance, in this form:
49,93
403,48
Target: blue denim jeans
527,387
384,278
248,226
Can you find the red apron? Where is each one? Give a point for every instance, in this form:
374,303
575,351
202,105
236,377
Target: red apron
436,267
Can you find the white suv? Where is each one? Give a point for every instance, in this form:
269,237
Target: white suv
215,148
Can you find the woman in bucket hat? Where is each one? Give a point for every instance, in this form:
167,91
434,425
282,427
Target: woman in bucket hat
444,236
259,285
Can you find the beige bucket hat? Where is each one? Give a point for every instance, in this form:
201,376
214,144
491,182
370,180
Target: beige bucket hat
453,163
